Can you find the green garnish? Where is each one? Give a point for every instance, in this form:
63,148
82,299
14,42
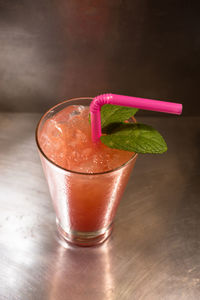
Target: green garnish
115,113
134,137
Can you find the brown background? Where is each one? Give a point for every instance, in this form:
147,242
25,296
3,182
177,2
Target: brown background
58,49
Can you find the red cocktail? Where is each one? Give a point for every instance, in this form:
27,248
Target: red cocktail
86,180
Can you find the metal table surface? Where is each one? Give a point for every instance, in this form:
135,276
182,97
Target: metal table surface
154,251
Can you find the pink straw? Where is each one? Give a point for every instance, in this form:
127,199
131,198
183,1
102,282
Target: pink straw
141,103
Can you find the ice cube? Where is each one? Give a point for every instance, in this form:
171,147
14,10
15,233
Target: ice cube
80,136
68,113
77,110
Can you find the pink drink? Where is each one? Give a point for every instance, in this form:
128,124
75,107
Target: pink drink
86,180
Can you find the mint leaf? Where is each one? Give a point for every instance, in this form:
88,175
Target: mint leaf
115,113
135,137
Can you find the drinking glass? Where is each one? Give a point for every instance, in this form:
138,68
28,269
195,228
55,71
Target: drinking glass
85,204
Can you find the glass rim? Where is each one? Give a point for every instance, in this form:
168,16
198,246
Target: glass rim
64,169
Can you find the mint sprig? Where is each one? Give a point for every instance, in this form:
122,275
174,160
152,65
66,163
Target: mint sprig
115,113
135,137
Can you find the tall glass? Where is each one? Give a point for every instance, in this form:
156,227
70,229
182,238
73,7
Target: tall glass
85,203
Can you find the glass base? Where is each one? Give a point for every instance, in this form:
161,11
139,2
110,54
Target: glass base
85,239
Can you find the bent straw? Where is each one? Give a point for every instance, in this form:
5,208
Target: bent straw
141,103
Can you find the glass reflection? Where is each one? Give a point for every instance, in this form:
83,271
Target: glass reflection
80,273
